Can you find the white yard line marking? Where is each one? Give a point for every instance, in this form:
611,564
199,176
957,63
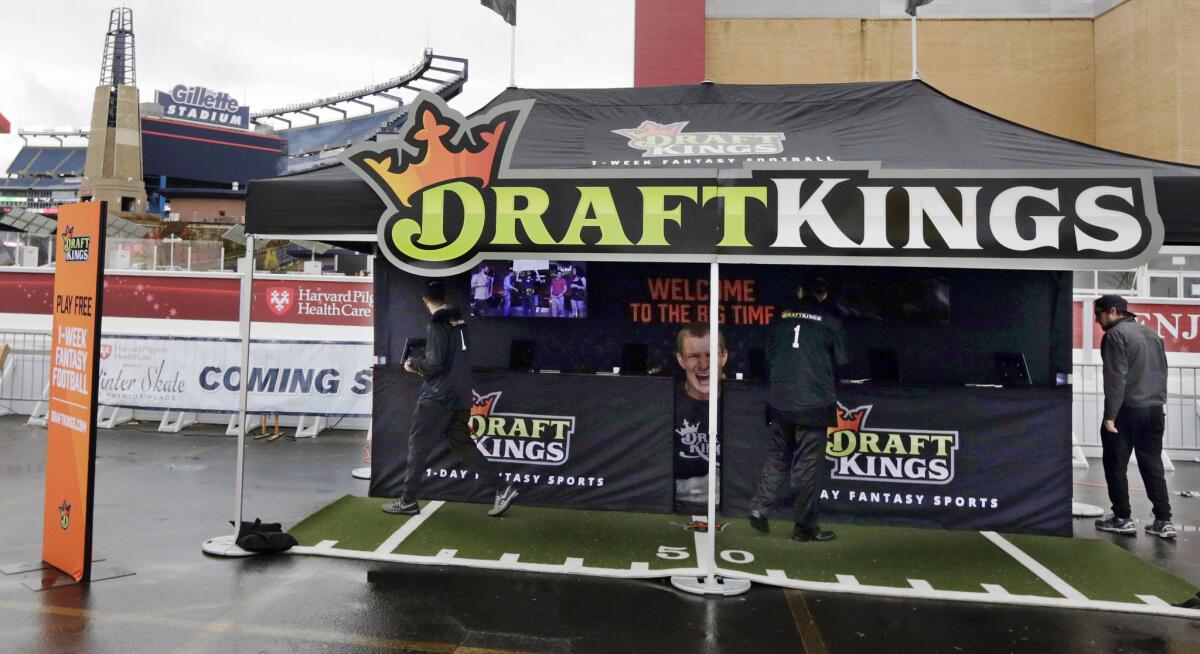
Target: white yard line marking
1042,572
639,566
777,575
325,545
572,563
920,584
1153,600
509,557
995,589
446,554
701,542
847,580
408,528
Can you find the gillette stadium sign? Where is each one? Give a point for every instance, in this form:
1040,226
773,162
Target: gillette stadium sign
199,104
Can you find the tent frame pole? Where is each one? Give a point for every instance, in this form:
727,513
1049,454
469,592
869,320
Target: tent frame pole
916,74
227,545
710,583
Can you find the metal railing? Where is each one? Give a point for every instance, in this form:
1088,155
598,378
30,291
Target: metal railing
1183,405
26,369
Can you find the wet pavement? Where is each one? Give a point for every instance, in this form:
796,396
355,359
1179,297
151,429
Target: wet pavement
158,496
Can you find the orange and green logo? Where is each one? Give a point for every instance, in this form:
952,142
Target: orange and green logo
64,515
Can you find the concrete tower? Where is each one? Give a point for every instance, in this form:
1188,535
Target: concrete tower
113,169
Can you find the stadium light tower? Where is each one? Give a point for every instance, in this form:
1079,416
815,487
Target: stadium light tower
113,169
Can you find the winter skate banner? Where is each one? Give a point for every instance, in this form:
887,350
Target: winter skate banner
203,375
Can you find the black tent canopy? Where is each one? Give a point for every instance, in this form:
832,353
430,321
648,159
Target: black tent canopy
905,125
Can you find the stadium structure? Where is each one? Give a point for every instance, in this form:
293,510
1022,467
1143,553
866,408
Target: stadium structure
199,147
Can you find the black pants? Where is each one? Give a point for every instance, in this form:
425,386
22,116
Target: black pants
430,424
1139,430
800,450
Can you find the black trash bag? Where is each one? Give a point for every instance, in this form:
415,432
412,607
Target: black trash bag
1190,603
264,537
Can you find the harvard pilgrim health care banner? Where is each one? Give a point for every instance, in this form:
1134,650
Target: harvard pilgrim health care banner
71,429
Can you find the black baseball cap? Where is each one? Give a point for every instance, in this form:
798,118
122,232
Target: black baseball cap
435,290
1106,302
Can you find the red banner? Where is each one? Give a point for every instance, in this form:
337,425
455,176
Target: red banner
71,428
172,297
1177,324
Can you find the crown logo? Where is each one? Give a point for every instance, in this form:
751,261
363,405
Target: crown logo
482,405
437,145
649,128
851,419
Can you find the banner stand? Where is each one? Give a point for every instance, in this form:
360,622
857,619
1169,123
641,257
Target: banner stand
364,472
227,545
710,583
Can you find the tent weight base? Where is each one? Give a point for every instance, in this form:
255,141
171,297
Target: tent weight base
224,546
711,585
361,473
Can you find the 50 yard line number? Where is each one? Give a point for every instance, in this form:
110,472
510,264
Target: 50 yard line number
680,553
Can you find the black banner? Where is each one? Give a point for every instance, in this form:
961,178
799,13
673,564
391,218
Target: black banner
950,457
577,441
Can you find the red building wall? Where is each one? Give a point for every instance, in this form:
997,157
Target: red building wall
668,42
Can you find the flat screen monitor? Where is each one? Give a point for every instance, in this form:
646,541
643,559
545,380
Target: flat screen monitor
528,288
884,365
1012,369
413,348
520,355
634,359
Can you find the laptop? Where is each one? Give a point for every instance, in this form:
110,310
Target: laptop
1012,369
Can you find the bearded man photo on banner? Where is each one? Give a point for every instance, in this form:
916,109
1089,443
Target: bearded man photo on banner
692,444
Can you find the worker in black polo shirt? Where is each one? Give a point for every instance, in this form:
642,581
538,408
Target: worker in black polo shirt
804,347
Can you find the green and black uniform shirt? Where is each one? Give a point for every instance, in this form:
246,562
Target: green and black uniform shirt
804,348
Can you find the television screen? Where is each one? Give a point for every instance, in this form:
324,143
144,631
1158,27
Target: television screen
912,296
527,288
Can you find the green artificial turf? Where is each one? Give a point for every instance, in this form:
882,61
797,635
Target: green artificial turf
356,523
882,556
874,555
1103,571
603,539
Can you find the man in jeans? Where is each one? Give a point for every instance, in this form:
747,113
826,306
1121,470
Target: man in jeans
444,406
1135,390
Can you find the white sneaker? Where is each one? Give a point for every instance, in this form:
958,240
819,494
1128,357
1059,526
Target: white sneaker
503,499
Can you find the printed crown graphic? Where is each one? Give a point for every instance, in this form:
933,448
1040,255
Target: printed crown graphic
446,149
851,419
483,404
650,128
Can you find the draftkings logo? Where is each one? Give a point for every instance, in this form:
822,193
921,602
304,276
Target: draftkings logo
519,437
657,140
75,248
912,456
64,515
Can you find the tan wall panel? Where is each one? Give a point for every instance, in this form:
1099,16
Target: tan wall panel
1148,79
1037,72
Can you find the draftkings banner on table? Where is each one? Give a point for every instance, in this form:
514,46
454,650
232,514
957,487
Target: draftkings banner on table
578,441
950,457
71,429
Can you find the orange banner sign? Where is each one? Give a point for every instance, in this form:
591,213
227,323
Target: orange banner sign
71,437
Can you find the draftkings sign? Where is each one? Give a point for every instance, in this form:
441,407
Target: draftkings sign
452,200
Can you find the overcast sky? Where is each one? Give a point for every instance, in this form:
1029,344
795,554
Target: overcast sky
269,54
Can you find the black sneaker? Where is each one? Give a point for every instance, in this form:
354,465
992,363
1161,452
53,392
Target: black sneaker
1112,523
804,534
759,522
1162,529
402,507
503,499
